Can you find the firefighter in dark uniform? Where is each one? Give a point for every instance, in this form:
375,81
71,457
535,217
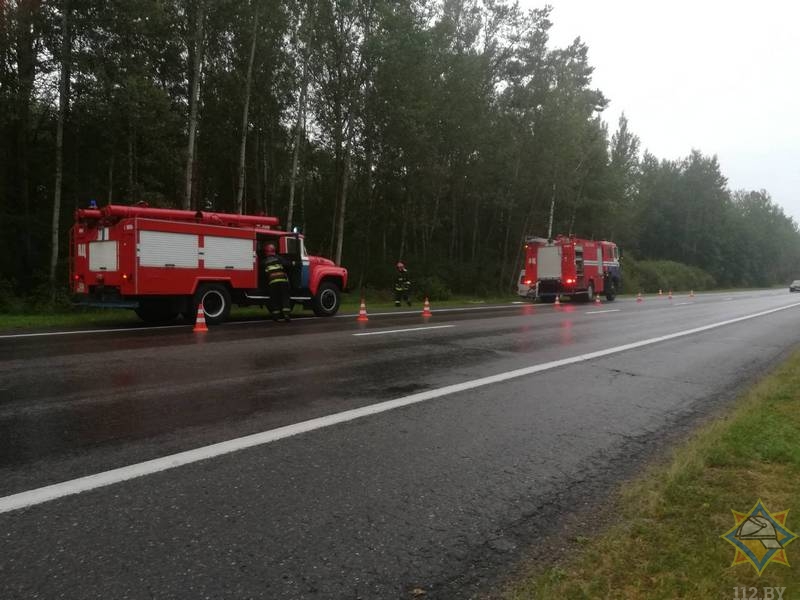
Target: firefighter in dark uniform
275,271
402,285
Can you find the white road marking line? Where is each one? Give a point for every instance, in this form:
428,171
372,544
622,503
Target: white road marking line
46,333
404,330
684,303
417,312
600,312
264,320
98,480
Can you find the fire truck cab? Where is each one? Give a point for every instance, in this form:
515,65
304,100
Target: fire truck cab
164,262
571,267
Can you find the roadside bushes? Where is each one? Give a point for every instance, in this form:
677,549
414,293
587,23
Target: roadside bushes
38,299
431,287
653,275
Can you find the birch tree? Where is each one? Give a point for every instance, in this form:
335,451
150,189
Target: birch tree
245,114
196,52
63,107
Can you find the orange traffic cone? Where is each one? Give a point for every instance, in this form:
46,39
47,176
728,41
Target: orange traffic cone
426,308
597,299
639,297
362,312
660,293
557,302
200,321
670,294
691,294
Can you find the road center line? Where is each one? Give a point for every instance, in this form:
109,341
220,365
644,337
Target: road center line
600,312
404,330
98,480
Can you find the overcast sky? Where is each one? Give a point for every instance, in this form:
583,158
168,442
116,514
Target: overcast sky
722,77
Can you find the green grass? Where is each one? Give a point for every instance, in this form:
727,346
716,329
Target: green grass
664,542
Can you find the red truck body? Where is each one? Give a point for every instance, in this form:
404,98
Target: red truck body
165,262
570,266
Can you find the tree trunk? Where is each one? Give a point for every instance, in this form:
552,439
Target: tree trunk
245,116
194,98
131,150
265,171
343,202
111,179
475,225
26,72
63,106
301,109
367,240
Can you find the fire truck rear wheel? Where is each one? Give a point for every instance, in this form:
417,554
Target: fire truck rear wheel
326,302
590,292
216,301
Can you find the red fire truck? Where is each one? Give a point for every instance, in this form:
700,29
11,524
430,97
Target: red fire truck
571,267
164,262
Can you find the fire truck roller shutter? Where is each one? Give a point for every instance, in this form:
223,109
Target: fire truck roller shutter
103,256
228,253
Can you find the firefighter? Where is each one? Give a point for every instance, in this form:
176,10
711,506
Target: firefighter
402,285
275,271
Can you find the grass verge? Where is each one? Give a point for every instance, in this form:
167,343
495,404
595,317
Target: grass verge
665,542
85,317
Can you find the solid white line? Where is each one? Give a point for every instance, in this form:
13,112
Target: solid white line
438,310
46,333
600,312
90,482
265,320
404,330
683,303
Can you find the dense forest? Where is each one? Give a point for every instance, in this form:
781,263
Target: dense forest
439,132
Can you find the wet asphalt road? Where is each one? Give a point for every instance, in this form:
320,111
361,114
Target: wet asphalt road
439,495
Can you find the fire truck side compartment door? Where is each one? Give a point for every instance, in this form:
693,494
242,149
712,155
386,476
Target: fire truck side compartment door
549,262
103,256
161,249
228,253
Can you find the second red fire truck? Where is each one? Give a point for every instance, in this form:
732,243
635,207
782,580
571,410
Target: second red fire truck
164,262
571,267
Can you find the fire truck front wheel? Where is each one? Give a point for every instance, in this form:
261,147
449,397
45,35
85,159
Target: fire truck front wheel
216,300
611,290
326,302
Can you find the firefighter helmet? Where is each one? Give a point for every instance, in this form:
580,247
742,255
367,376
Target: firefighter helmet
269,249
